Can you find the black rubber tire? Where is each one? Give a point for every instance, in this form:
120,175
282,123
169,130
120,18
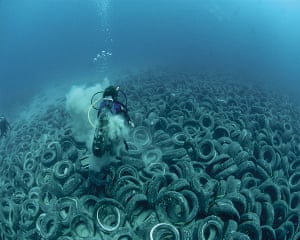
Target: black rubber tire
116,215
66,208
62,170
124,233
87,204
48,225
209,227
166,203
225,209
164,229
153,187
82,226
285,231
72,184
267,232
251,229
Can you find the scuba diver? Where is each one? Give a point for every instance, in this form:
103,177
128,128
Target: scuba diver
4,126
109,106
111,129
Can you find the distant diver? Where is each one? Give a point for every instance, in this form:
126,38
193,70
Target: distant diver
4,126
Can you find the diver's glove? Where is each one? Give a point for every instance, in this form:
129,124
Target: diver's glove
131,124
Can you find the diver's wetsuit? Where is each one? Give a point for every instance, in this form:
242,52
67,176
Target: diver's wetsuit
115,107
101,143
103,146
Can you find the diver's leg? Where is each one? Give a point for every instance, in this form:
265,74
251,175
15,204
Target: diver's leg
98,142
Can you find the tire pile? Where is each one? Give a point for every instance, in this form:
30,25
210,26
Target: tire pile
208,159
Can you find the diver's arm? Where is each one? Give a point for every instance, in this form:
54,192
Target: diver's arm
101,106
127,118
124,112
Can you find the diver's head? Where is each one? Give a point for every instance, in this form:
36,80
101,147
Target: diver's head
111,91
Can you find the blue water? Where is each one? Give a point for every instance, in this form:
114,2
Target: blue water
49,42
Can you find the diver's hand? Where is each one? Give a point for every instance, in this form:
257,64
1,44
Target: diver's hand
131,124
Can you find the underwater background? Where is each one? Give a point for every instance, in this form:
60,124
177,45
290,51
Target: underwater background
51,41
212,89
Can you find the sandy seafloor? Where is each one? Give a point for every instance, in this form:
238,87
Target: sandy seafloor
208,158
